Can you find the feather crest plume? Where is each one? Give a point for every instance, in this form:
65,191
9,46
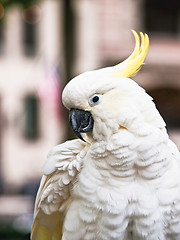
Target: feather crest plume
130,66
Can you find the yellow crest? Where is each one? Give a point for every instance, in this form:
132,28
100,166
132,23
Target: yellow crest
130,66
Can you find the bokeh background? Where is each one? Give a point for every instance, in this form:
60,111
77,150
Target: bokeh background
43,44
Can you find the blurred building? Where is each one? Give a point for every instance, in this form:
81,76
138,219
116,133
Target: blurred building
30,64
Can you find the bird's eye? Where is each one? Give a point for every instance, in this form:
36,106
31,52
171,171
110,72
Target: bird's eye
95,99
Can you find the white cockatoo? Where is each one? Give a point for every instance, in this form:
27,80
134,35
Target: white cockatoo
121,179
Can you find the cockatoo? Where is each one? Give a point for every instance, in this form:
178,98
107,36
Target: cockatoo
121,179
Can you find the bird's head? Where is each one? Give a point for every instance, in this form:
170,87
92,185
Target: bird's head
103,101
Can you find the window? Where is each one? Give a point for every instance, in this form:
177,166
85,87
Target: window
31,130
69,36
29,39
1,36
167,101
162,16
31,17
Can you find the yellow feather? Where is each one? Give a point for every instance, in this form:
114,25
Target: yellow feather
47,227
133,63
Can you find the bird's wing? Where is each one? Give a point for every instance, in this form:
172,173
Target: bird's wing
54,194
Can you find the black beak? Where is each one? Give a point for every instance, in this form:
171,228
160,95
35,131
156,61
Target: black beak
81,122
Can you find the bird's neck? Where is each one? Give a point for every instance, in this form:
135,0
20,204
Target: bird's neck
127,156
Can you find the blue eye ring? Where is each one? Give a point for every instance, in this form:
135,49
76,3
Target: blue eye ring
95,99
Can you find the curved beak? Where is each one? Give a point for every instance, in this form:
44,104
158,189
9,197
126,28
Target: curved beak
81,122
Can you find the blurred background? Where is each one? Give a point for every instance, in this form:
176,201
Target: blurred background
43,44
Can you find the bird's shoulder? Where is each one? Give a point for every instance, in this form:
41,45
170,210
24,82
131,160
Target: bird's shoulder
63,163
60,171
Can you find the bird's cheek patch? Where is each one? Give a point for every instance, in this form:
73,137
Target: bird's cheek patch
114,100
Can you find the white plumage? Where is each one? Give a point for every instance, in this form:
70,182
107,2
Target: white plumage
123,183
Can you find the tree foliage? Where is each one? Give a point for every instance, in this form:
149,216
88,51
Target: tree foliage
23,3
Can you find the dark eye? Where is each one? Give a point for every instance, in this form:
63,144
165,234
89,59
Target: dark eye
95,99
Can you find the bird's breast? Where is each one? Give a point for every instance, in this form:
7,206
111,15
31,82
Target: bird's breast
107,206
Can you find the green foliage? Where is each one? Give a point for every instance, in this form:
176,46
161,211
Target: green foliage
23,3
10,234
